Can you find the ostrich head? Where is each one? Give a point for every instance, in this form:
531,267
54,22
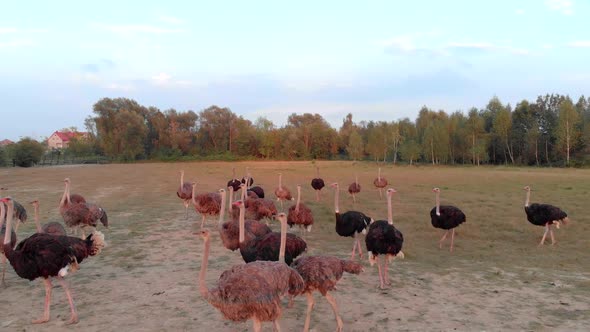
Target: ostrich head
204,234
193,184
35,203
282,217
181,171
436,190
222,191
334,185
238,203
526,188
391,191
67,180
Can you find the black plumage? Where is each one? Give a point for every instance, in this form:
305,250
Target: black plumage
266,248
351,222
235,184
543,214
384,239
449,218
317,184
258,191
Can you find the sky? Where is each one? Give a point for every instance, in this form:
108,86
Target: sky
379,60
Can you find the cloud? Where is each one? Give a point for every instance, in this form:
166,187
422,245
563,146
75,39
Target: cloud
410,44
136,28
579,43
165,80
485,47
563,6
120,87
15,43
7,30
171,20
519,11
101,65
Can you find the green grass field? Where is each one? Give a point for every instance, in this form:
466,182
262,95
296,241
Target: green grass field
146,280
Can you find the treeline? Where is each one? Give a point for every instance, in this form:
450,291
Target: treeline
552,130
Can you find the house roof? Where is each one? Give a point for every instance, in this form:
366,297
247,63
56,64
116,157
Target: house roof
5,142
65,136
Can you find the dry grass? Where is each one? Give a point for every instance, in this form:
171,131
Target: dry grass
146,279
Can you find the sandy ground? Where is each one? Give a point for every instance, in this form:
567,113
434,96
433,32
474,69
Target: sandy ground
147,278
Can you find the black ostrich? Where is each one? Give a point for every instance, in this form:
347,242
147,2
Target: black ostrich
248,180
234,183
384,239
350,223
258,191
446,217
317,184
45,256
544,215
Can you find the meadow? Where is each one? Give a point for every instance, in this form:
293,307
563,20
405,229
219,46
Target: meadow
147,278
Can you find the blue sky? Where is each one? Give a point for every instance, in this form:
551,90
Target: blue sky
380,60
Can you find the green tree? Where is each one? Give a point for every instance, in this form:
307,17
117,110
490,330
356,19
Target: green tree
28,152
409,150
475,129
355,146
80,147
567,127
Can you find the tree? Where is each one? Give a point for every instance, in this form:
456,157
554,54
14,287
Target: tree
217,129
567,127
129,135
409,150
502,126
28,152
355,146
475,129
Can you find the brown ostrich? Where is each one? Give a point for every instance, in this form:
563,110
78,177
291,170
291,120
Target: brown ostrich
321,273
2,233
74,198
256,208
207,204
300,214
249,291
317,184
51,228
229,231
354,188
282,193
20,213
185,193
380,183
81,215
47,256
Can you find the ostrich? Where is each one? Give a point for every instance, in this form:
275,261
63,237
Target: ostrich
74,198
229,230
321,273
257,190
206,204
248,180
256,208
250,291
384,239
380,183
544,215
2,234
317,184
81,214
446,217
20,213
300,214
267,247
354,188
282,193
350,223
185,193
43,255
234,182
52,228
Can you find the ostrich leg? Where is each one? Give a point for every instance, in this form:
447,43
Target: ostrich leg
440,243
382,286
277,326
257,324
202,221
552,237
45,317
3,269
386,271
353,250
452,239
380,193
310,303
358,243
544,235
334,305
66,287
186,209
317,195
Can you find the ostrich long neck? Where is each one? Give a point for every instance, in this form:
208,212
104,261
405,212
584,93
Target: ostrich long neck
202,286
231,198
233,169
248,177
379,174
336,193
2,214
280,180
37,223
8,231
242,223
283,240
389,209
222,207
528,198
317,172
356,179
181,178
194,194
298,198
68,198
438,203
64,197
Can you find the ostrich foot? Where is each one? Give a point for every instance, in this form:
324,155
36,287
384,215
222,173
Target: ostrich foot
73,319
43,319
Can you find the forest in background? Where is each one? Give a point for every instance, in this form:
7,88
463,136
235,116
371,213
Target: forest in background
551,131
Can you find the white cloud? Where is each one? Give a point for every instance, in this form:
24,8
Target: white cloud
520,11
137,28
7,30
15,43
171,19
563,6
580,43
166,80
